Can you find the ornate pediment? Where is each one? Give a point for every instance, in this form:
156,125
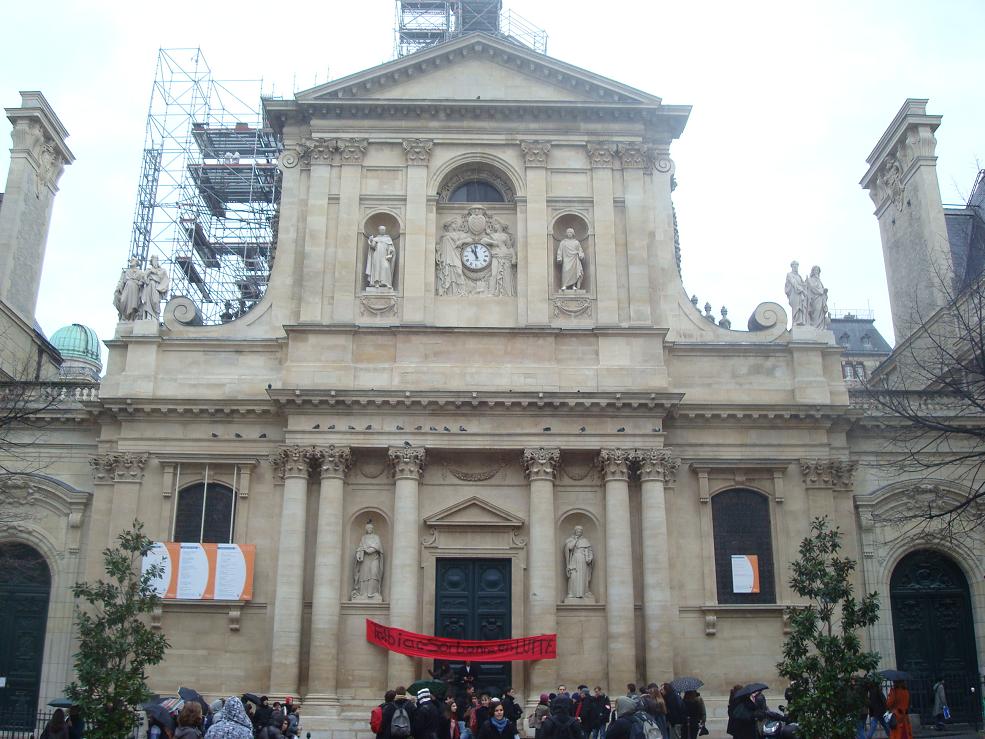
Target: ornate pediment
473,513
478,66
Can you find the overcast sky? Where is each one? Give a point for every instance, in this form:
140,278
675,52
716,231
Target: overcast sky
789,99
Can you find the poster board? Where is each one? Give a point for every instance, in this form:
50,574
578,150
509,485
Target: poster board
203,571
745,573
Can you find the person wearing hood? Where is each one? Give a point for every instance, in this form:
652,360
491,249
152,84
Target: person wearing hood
497,726
189,721
232,722
561,724
622,727
261,717
655,707
541,711
427,716
215,708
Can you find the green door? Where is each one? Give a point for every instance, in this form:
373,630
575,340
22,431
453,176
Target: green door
472,601
25,586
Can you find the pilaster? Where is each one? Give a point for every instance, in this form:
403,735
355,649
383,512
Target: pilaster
318,158
634,159
535,154
601,156
415,264
349,239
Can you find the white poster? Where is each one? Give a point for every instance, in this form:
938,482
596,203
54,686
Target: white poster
230,572
745,573
193,575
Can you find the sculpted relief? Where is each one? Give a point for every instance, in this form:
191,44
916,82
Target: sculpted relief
475,255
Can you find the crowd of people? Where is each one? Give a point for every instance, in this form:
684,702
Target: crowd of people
229,718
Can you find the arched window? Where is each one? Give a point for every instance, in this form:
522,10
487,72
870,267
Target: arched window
476,191
205,513
743,547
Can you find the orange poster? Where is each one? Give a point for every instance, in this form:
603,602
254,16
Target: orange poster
203,571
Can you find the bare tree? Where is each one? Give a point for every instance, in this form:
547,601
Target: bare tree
930,397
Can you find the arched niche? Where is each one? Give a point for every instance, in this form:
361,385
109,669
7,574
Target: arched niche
371,227
582,232
355,532
592,532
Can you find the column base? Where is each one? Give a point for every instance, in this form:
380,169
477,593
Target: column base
319,706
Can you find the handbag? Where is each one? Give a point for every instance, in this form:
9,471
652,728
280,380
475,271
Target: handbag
890,718
703,731
947,713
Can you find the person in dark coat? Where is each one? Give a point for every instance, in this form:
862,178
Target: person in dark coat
876,703
57,727
513,710
656,707
694,714
399,701
497,726
261,717
730,727
76,724
622,727
561,723
745,712
427,716
675,708
603,708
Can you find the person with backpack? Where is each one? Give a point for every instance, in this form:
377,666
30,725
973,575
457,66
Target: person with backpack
398,716
622,726
498,726
561,724
656,708
541,711
513,710
427,717
376,715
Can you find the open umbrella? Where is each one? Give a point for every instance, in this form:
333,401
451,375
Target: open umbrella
193,696
61,703
157,712
684,684
437,688
894,674
750,689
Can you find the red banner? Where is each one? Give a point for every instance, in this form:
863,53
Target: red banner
543,646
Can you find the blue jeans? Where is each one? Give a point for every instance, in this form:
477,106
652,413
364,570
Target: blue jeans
874,723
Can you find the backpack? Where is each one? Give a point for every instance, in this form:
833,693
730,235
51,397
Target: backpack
376,720
400,722
644,727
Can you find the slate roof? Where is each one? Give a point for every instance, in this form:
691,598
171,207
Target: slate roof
966,235
859,336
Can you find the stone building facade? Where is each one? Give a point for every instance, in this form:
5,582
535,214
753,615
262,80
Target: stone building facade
476,338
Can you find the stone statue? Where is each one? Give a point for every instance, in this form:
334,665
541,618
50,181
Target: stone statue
448,259
571,257
379,260
502,275
578,562
155,289
367,575
127,297
817,299
796,295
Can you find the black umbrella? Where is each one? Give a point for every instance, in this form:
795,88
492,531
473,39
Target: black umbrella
252,698
159,713
750,689
894,674
192,695
684,684
61,703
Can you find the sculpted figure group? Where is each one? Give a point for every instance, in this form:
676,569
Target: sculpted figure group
492,241
139,292
808,298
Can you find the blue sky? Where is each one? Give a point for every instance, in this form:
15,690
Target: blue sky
789,99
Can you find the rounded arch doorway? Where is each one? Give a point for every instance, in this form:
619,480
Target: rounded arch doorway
933,630
25,589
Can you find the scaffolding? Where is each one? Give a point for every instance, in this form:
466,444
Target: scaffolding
209,187
423,23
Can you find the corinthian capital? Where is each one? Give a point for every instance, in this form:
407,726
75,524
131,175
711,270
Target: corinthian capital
407,461
601,155
657,464
633,156
119,467
828,473
540,463
293,461
615,463
351,151
335,460
535,152
418,151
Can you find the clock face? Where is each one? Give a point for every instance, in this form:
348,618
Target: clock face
476,257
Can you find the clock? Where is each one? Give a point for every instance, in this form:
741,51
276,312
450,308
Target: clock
476,257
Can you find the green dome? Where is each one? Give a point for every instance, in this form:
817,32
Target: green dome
78,342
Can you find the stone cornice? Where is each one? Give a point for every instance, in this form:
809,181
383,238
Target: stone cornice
188,408
812,413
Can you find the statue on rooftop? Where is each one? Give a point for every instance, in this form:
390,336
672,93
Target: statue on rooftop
817,300
126,297
796,295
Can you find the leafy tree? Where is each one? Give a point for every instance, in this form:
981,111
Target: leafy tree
823,651
115,644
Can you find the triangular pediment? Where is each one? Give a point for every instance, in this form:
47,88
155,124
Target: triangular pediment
479,66
471,513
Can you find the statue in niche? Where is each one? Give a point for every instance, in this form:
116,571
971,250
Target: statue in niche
579,558
155,289
379,260
796,295
475,255
817,299
571,257
127,296
367,574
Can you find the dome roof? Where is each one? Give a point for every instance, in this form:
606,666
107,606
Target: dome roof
78,342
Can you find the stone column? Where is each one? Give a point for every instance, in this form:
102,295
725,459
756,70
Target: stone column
621,646
606,290
633,158
326,597
349,242
405,564
656,466
316,238
292,465
538,275
540,465
415,265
